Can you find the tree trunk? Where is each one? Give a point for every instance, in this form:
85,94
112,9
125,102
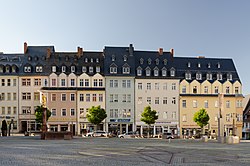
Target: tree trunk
148,130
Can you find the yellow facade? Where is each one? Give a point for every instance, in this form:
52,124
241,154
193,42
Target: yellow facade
195,95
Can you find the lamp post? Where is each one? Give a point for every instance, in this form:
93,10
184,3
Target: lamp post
29,121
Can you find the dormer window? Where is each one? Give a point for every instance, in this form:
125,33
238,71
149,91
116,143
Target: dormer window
63,69
54,69
229,76
29,58
148,71
91,60
113,70
73,69
141,61
189,64
164,72
219,76
7,69
1,69
156,72
86,60
39,69
84,69
172,72
199,65
188,76
91,69
113,58
209,65
209,76
125,58
149,61
27,69
157,61
139,71
13,69
218,65
98,69
198,76
97,60
165,61
125,70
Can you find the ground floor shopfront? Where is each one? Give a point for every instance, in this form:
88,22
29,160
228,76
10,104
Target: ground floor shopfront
62,126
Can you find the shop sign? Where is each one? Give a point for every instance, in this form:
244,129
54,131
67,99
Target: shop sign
119,120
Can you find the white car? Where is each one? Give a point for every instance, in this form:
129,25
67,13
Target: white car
97,133
128,135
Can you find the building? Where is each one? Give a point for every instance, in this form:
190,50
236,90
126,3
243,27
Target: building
246,118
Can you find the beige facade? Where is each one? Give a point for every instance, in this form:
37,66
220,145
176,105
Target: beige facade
195,95
163,96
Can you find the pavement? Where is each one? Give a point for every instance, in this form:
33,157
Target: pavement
22,151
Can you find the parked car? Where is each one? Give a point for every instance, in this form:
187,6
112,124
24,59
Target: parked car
128,135
97,133
168,136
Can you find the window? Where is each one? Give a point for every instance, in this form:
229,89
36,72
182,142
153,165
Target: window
113,70
216,89
115,83
165,100
184,89
3,96
209,65
37,82
9,96
63,112
206,89
14,82
14,96
148,72
53,82
3,110
94,97
228,117
128,83
72,112
91,69
87,97
148,86
164,72
227,104
229,76
218,65
100,82
111,83
63,69
111,98
173,86
98,69
26,96
198,76
100,97
238,104
91,60
125,70
72,97
206,104
157,100
25,82
86,82
84,69
236,90
86,60
227,90
172,72
53,69
95,83
219,76
174,115
195,104
53,97
27,69
8,82
14,110
36,96
26,110
173,100
139,72
157,86
165,115
73,69
188,76
139,85
81,97
149,100
63,97
189,64
124,98
194,89
111,113
184,103
184,118
156,72
39,69
3,82
199,65
113,58
63,83
124,83
209,76
53,112
116,98
72,82
97,60
165,86
81,82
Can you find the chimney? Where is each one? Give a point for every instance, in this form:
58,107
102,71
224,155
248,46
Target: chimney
160,51
131,49
48,53
25,48
172,54
79,52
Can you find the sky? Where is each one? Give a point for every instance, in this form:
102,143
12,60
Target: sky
210,28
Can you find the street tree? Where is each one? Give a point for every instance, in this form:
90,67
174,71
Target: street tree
201,117
149,116
39,114
96,115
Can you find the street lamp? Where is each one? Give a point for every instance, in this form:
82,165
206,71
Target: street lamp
29,111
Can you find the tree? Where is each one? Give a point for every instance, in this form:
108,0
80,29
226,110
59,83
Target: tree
39,114
149,117
201,117
96,115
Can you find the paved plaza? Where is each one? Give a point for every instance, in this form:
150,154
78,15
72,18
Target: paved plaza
32,151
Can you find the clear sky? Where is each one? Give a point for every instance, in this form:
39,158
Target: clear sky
211,28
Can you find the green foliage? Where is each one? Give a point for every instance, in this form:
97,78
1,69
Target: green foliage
39,114
96,115
149,116
201,117
4,125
